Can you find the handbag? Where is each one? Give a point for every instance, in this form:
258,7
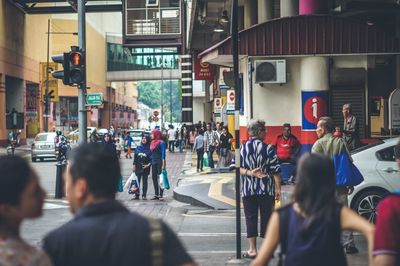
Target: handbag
120,185
133,185
347,174
205,160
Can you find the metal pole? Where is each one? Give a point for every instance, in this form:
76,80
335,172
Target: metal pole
162,94
235,54
46,92
170,95
82,123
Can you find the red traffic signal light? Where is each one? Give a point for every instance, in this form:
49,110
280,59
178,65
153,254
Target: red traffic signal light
76,58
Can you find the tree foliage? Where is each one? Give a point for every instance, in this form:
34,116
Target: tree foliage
149,94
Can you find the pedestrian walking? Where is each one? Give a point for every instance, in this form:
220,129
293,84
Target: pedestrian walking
118,147
329,145
198,146
21,197
142,165
104,232
309,228
171,138
128,143
211,142
157,148
350,127
387,232
225,146
260,183
192,138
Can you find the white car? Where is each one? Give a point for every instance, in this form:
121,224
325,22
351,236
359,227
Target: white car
73,135
378,166
136,135
43,146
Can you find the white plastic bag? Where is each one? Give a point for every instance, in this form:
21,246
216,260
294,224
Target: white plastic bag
161,181
128,182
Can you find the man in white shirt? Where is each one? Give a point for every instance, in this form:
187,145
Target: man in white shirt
171,139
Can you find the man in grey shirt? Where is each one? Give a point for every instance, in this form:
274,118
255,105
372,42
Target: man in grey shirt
350,127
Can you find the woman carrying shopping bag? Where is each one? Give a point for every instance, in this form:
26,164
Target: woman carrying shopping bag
157,148
142,165
225,155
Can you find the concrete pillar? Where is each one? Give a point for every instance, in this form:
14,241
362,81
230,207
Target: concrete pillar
250,13
314,84
289,8
265,10
310,7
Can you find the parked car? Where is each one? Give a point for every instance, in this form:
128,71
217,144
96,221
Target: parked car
136,135
73,135
43,146
377,164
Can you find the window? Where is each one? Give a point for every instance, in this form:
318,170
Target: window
386,154
152,3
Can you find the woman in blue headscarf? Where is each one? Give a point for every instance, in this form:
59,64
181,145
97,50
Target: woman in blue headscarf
142,164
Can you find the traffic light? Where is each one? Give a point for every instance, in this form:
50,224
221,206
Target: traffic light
76,66
62,59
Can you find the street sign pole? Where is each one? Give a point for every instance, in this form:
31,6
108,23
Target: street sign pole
235,54
82,124
46,98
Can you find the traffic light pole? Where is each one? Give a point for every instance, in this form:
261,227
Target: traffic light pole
46,92
82,123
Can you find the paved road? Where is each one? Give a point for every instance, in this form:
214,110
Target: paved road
209,235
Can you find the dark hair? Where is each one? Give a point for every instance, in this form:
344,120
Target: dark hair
315,190
287,125
327,123
98,166
209,124
15,174
201,131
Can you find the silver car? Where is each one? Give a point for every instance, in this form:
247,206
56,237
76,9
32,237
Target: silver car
43,146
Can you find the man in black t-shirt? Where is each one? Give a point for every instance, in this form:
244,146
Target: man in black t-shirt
103,231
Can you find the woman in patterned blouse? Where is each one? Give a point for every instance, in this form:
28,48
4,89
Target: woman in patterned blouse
260,182
21,197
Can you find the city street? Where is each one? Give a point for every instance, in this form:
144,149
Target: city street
208,234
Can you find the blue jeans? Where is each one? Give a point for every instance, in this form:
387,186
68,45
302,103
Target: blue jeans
181,143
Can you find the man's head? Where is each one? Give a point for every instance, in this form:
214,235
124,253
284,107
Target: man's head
208,126
287,130
346,110
92,174
325,125
218,126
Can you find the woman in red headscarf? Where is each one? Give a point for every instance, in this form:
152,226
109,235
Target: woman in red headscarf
157,148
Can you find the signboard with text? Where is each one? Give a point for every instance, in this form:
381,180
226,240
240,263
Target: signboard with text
203,71
217,105
230,101
94,99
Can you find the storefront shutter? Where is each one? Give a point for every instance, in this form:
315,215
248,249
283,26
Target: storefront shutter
356,97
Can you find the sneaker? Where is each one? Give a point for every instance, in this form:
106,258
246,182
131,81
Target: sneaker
161,199
144,197
155,198
351,250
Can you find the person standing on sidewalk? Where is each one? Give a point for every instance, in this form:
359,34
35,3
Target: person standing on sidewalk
142,165
103,231
310,227
387,233
171,138
260,182
225,156
211,141
350,127
21,197
329,145
128,142
157,148
199,148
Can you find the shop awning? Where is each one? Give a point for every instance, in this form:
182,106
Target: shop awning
306,35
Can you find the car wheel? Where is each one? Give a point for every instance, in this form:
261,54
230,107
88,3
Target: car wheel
367,202
33,159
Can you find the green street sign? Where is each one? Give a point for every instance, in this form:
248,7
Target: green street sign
94,99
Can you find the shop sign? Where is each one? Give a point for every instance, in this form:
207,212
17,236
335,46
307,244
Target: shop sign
314,105
203,71
94,99
217,105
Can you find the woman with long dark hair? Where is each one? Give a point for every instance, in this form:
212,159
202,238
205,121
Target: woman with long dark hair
225,139
142,165
157,148
312,224
21,197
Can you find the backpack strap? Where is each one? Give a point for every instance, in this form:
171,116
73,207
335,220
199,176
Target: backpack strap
284,215
156,240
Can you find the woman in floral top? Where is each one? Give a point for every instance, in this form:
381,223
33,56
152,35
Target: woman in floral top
21,197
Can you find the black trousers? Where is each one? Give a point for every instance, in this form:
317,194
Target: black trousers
254,204
171,145
200,155
155,172
145,176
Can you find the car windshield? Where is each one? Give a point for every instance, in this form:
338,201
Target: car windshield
366,147
136,134
44,137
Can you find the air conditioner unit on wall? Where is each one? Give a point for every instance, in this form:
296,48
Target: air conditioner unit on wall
270,71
